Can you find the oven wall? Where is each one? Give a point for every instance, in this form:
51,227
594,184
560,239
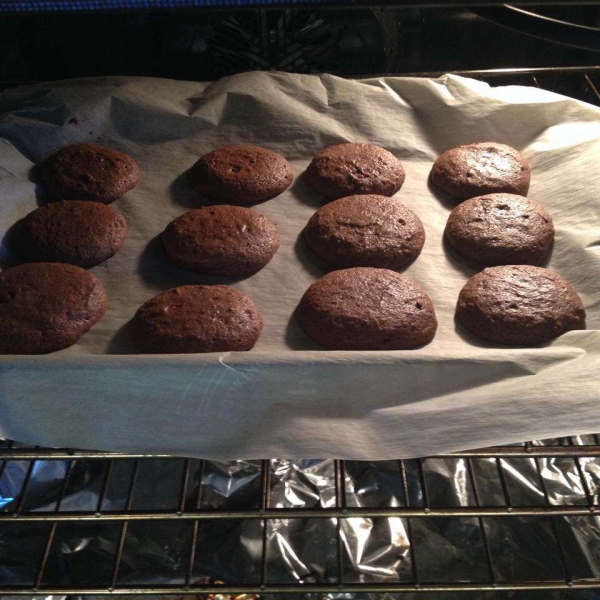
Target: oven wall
206,45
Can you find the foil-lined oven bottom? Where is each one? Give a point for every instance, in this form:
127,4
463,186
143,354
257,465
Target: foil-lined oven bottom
307,549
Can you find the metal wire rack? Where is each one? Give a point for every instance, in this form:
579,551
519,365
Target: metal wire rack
416,504
418,498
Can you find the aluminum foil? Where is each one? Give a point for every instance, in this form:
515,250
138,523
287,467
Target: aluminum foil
306,550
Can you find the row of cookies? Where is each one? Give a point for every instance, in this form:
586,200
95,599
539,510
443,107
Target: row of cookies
193,239
48,304
490,229
42,309
45,307
233,240
514,301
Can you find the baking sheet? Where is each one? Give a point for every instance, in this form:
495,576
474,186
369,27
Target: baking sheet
286,397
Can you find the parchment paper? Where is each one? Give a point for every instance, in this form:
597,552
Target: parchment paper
286,397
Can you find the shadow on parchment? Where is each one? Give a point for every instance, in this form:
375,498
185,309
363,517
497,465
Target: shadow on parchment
41,195
295,338
185,195
467,267
309,260
305,194
159,272
122,341
8,255
444,199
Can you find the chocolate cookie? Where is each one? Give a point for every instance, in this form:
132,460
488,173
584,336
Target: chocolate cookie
81,233
221,240
367,309
365,231
348,169
501,229
477,169
519,305
47,306
90,172
241,174
197,318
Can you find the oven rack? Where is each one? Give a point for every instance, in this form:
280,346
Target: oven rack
583,451
418,503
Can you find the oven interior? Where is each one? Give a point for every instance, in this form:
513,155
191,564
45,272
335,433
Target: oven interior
514,522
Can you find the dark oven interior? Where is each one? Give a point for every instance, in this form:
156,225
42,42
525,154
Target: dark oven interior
354,41
516,522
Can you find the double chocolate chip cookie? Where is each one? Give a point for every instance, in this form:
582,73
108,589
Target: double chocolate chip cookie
484,168
365,231
241,174
89,172
367,309
221,240
355,168
46,307
81,233
519,305
501,229
197,318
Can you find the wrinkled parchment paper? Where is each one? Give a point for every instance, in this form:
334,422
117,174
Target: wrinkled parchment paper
286,397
